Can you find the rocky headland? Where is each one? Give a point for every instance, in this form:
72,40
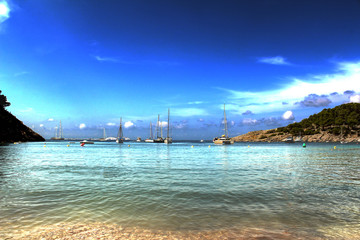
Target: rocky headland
271,136
339,124
12,129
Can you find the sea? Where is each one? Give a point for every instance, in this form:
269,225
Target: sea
244,190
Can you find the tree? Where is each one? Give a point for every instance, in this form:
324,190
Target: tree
3,101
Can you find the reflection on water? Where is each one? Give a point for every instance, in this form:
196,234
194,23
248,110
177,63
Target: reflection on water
309,192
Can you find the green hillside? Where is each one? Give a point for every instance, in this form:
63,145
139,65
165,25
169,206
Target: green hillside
342,120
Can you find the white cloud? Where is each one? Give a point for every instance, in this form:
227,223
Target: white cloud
346,78
50,120
250,121
4,11
163,123
278,60
188,112
110,124
288,115
128,124
82,126
105,59
41,125
196,102
355,99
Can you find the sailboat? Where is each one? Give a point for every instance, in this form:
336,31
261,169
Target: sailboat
150,139
103,139
119,138
168,139
58,133
159,138
224,139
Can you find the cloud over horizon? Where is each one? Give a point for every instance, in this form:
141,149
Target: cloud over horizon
129,124
346,79
288,115
355,99
314,100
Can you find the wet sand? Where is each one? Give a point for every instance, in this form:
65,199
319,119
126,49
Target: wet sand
112,231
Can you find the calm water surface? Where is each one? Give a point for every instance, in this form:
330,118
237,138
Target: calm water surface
178,187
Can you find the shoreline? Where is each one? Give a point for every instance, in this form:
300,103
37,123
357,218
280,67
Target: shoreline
272,136
113,231
98,230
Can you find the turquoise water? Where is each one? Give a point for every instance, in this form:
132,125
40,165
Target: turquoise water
315,191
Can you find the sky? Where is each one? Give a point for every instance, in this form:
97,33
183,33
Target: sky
88,63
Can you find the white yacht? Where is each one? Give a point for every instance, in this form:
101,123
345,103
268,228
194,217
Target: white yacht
224,139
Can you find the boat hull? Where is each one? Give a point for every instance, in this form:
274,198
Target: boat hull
225,141
168,140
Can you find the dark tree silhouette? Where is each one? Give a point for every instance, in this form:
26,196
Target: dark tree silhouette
3,101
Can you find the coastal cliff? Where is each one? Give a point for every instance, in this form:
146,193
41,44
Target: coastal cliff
339,124
12,129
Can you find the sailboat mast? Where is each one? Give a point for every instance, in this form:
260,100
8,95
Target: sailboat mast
121,133
151,135
120,130
168,125
161,130
225,123
60,130
157,126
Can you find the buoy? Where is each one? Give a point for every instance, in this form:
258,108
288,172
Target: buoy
128,145
248,146
82,144
334,147
209,146
192,146
304,145
68,145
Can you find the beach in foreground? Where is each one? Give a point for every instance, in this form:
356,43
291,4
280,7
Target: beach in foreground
113,231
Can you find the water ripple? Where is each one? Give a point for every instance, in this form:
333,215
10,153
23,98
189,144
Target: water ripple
158,187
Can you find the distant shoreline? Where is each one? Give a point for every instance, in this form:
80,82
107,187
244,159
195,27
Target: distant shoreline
272,136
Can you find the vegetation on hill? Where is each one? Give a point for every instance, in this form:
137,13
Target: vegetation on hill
341,123
341,120
3,101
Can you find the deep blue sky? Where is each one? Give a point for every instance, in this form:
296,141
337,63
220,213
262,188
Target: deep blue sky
88,63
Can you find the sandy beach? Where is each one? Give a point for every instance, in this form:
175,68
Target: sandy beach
113,231
71,231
